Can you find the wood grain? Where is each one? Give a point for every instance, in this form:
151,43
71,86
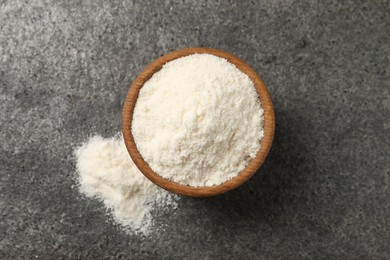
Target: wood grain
244,175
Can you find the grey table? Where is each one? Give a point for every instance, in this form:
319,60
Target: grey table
323,193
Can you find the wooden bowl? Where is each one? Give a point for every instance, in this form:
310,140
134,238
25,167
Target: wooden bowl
245,174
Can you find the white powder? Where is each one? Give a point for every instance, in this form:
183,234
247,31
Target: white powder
107,172
198,121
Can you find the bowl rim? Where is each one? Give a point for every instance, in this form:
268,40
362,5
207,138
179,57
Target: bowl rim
253,165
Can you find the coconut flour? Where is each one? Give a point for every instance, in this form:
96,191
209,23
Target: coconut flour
107,173
198,121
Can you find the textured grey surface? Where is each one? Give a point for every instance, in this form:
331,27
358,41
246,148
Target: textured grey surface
65,67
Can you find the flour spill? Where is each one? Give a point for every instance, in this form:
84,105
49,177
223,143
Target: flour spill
107,173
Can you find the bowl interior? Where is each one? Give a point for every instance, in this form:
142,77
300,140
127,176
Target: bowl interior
245,174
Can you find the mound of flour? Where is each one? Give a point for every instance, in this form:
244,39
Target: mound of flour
198,121
106,172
